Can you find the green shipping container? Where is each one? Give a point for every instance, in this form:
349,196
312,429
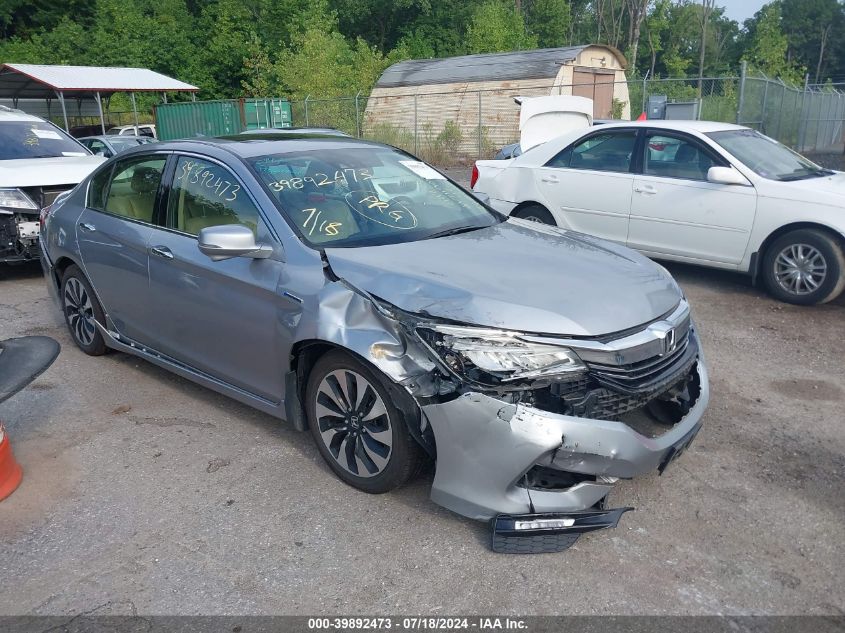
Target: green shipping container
220,118
262,114
199,118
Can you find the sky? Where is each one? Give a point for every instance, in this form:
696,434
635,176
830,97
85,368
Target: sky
739,10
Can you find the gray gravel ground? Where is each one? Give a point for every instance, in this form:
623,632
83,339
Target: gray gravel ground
144,493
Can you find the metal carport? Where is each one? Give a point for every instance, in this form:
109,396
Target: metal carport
35,81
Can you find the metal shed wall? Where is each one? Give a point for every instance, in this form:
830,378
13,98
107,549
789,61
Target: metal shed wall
483,99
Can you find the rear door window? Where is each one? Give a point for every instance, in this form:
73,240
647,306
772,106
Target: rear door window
134,187
611,151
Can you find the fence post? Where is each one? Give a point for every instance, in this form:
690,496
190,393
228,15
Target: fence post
357,115
743,70
763,107
802,122
416,120
645,88
780,110
306,110
479,125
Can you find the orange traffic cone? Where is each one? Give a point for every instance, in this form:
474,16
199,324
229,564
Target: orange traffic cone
642,117
11,473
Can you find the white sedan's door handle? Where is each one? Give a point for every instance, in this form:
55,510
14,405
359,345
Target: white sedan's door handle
646,189
551,179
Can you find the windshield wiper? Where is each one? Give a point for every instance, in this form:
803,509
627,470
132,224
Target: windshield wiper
453,231
818,173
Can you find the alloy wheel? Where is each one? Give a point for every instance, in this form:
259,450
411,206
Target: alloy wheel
353,423
800,269
79,311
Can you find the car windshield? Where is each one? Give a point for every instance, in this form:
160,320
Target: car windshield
766,157
367,196
35,139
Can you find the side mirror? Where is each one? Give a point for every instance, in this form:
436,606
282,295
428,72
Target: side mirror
726,176
231,240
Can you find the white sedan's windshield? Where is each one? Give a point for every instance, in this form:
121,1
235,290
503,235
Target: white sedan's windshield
766,157
36,139
364,196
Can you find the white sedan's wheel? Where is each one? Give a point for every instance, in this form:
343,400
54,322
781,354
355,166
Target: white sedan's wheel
804,267
535,213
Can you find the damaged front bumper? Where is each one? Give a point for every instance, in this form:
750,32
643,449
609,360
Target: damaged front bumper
485,448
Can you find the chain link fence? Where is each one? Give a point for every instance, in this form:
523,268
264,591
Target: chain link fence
455,128
809,119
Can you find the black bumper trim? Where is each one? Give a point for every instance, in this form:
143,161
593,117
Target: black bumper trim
509,540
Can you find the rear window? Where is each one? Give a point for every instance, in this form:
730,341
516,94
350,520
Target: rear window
36,139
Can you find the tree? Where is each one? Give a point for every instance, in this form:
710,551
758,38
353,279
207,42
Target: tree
810,27
637,11
655,24
549,21
768,45
496,26
707,7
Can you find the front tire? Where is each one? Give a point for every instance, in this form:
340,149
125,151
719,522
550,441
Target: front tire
357,429
535,213
81,309
804,267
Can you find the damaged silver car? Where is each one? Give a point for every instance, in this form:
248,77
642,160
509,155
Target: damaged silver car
356,292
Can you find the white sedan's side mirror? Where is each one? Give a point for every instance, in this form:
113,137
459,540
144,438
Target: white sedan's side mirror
726,176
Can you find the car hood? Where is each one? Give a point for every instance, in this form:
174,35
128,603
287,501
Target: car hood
35,172
515,275
825,190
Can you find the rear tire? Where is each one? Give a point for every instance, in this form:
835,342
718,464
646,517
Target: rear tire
357,429
535,213
804,267
81,309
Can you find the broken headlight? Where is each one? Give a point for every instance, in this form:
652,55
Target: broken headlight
491,356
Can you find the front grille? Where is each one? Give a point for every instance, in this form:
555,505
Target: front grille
49,195
608,392
649,374
44,196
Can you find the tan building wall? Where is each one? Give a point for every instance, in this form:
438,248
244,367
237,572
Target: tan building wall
396,114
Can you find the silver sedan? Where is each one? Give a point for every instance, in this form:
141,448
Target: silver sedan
359,294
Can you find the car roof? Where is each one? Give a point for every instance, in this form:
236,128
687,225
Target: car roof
267,144
295,131
703,127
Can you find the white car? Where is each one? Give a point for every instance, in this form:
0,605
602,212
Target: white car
38,162
701,192
144,129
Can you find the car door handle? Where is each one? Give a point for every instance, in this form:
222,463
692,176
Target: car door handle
88,228
646,189
551,179
162,251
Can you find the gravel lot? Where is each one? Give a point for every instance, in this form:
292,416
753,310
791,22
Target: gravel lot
144,493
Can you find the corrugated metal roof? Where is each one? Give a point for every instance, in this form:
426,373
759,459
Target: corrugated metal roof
38,81
541,63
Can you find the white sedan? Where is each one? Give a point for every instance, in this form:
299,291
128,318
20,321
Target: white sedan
701,192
